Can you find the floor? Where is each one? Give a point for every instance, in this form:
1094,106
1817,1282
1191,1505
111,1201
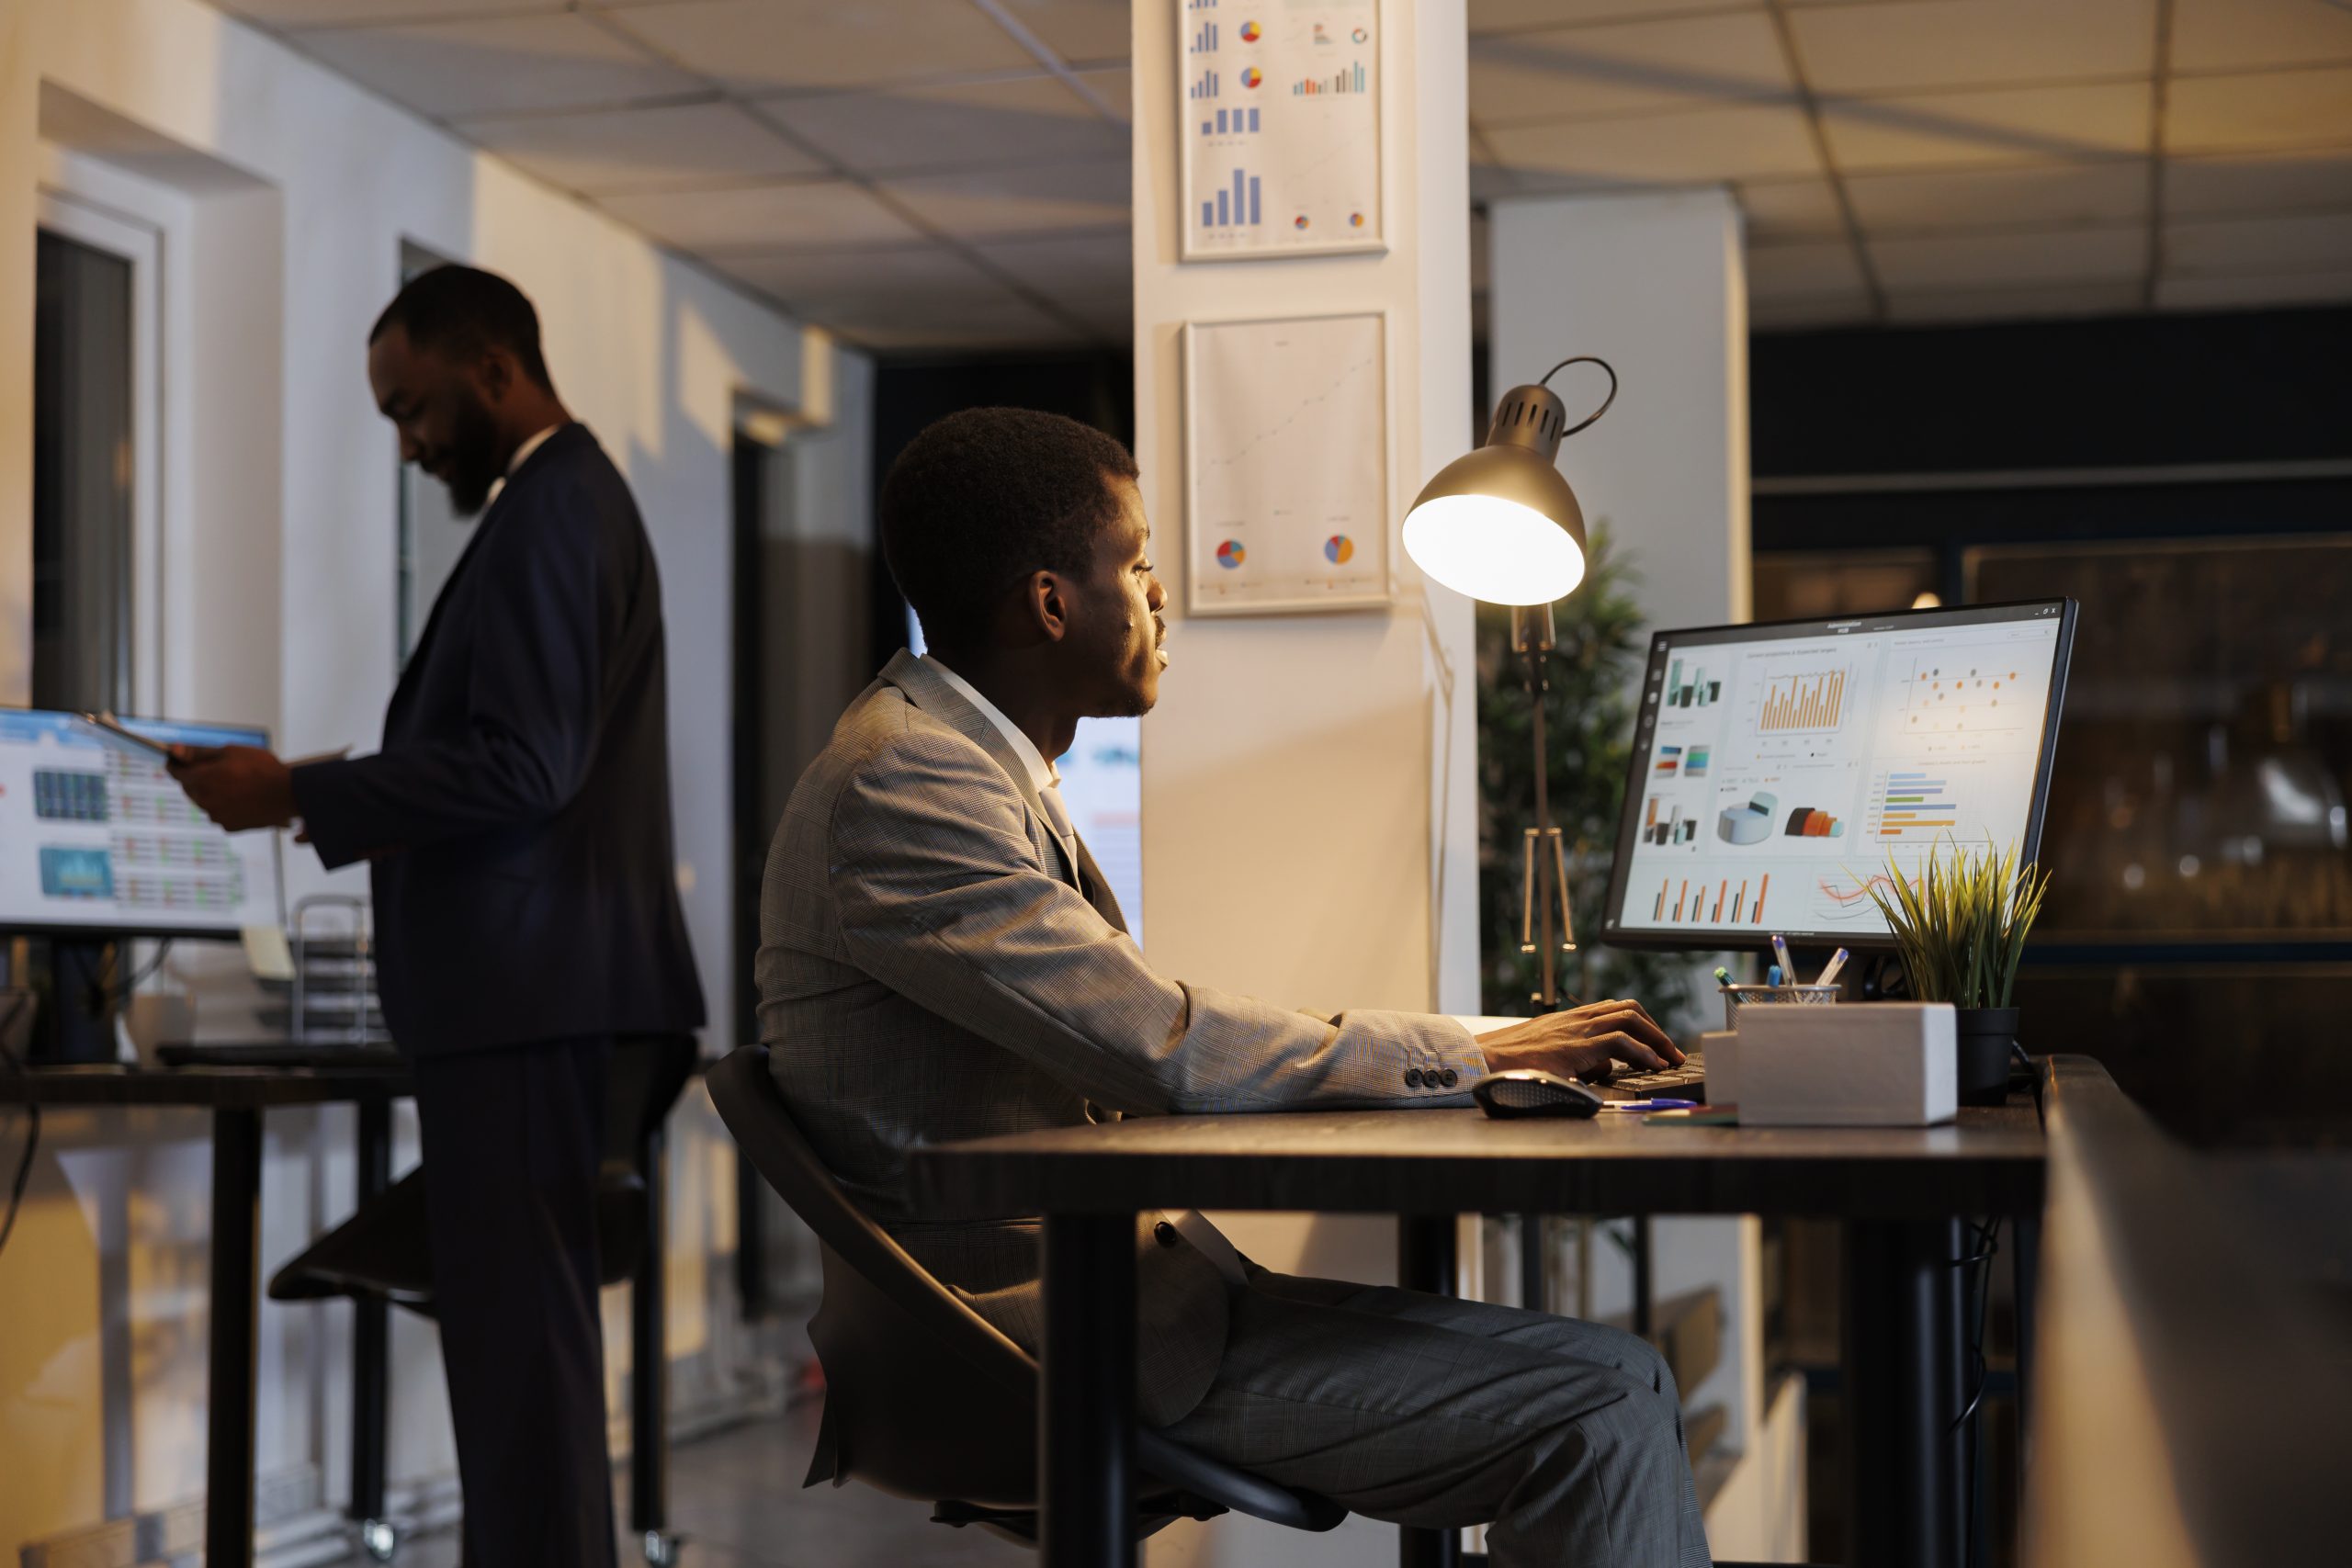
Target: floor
737,1501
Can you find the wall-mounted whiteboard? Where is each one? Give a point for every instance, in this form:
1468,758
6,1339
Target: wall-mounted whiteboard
1280,102
1287,465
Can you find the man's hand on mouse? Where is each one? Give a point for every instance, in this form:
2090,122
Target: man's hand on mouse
1591,1041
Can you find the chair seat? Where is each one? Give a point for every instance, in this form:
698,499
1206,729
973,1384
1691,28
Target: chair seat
384,1250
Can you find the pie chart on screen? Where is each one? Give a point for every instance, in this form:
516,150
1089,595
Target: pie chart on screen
1339,549
1231,553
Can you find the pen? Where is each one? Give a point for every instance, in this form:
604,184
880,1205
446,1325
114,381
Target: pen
1773,978
1829,970
1780,951
1723,976
1650,1105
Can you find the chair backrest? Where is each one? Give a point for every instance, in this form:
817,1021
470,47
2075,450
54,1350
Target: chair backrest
924,1398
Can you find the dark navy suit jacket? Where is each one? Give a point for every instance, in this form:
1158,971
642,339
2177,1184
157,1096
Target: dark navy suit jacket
518,813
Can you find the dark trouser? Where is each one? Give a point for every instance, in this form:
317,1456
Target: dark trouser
512,1138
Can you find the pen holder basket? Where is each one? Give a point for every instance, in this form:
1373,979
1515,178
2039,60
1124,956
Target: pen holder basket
1738,997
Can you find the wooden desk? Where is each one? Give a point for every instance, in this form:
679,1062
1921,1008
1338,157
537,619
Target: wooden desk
1901,1191
236,1096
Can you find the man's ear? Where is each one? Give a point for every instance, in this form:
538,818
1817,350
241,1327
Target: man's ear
495,374
1046,599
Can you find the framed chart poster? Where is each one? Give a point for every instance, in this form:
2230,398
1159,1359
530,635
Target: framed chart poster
1280,127
1287,465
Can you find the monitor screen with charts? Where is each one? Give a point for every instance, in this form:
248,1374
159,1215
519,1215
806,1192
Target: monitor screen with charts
95,836
1781,771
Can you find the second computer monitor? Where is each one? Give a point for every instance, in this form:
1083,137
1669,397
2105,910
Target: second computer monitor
1781,770
96,838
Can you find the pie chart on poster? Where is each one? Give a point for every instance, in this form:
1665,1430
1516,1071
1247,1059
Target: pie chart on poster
1231,553
1339,549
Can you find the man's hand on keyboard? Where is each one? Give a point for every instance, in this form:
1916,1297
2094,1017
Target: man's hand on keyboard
1585,1042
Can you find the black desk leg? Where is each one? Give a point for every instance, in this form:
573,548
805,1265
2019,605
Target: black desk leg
2025,1241
1425,1261
649,1376
1904,1388
1086,1431
236,1279
371,1352
750,1241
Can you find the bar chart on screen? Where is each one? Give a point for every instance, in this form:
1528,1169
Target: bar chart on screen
1719,901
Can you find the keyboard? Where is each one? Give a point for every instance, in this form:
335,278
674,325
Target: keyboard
1688,1081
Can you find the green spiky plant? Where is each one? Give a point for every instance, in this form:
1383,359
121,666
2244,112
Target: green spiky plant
1960,927
1595,674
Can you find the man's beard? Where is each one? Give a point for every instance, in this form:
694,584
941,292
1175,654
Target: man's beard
472,461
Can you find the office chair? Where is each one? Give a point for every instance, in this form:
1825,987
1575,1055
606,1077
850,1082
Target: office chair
384,1249
923,1397
383,1253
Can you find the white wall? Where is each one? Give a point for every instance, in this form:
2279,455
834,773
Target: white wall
287,194
1302,776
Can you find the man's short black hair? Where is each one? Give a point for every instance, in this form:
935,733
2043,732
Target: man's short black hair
983,498
463,311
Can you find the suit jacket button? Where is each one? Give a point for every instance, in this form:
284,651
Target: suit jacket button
1164,1233
1412,1077
1449,1078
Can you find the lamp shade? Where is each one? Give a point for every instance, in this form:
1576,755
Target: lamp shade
1502,524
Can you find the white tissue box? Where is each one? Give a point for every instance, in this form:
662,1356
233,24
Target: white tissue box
1854,1065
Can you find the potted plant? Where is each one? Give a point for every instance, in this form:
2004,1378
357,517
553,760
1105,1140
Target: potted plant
1960,928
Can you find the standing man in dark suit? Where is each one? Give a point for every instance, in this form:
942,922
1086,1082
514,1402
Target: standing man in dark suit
517,819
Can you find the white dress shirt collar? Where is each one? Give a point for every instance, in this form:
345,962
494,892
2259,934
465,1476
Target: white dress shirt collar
1042,773
523,453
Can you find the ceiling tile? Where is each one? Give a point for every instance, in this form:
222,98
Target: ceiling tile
1930,44
794,275
1076,30
507,65
1850,307
1810,270
1790,209
2258,182
1961,262
1519,15
2267,290
1091,264
1030,199
2268,108
2236,34
2310,242
620,149
1626,68
2016,304
1738,141
952,127
775,217
2001,125
778,45
293,13
2041,194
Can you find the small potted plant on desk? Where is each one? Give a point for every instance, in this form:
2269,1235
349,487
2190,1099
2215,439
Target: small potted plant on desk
1960,928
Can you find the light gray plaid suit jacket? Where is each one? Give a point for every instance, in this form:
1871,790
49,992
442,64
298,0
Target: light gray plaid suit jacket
931,967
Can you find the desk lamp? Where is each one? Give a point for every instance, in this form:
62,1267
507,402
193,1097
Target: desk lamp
1501,525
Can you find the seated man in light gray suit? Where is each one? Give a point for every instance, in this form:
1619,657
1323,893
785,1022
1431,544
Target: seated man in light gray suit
940,959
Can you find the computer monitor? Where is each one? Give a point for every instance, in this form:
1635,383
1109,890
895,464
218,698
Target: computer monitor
1779,768
96,841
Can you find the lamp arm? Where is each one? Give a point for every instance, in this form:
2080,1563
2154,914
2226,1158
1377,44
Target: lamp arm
1594,417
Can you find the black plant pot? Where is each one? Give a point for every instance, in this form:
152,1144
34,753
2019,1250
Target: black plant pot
1986,1037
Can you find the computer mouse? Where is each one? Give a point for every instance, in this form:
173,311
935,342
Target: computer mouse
1527,1091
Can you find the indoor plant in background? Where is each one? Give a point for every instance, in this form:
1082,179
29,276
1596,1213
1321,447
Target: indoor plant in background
1594,675
1960,928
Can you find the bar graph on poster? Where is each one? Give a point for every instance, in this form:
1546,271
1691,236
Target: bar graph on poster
1285,465
1280,117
